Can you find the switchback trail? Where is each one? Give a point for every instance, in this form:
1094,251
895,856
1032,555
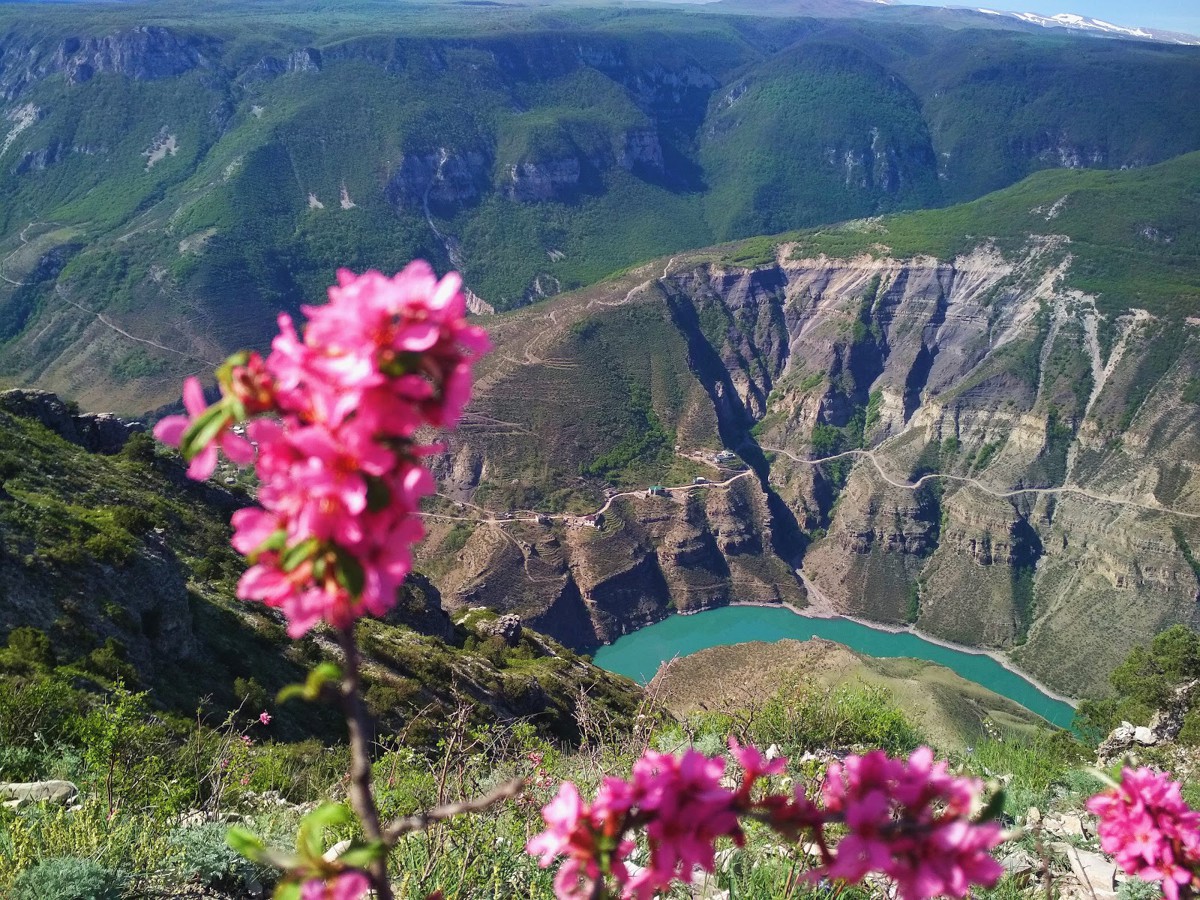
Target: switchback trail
1015,492
535,517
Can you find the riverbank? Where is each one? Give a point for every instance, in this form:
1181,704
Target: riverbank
639,654
822,611
994,655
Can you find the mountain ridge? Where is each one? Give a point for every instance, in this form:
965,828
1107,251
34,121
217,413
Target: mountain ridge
978,367
173,185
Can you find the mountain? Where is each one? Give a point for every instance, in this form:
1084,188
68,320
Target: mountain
1096,26
172,179
125,565
981,420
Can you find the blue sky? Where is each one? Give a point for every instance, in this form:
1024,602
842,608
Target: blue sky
1173,15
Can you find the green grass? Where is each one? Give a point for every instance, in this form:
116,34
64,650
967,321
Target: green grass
1104,215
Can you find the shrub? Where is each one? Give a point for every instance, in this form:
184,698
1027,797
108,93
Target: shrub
802,717
202,855
68,878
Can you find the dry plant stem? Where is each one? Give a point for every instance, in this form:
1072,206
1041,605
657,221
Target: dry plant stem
362,797
422,820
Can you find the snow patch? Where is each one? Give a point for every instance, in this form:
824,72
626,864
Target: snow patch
21,117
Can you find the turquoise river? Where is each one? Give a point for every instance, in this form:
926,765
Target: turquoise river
638,655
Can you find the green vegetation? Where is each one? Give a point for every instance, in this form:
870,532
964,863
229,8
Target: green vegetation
130,563
682,126
874,404
646,442
1145,682
1168,344
1107,216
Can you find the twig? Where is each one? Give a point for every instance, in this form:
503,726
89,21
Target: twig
422,820
362,797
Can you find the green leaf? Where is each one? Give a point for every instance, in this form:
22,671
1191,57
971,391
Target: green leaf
204,430
294,555
994,807
287,890
350,574
310,840
225,370
361,856
277,541
311,689
379,495
245,842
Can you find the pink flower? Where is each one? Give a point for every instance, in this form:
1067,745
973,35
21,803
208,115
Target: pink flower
754,764
345,886
172,429
341,477
1150,831
264,717
568,833
910,820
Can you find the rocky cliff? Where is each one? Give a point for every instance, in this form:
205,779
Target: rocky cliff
970,445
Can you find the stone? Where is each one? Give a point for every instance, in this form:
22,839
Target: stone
1095,873
1118,742
1033,817
1019,863
36,791
1072,826
507,627
1145,736
97,433
1168,721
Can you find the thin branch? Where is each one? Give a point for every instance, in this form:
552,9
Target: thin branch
362,797
422,820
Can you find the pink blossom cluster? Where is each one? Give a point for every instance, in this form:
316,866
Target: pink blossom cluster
678,799
1151,831
334,413
349,885
909,819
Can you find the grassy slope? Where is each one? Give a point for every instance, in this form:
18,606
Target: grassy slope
125,548
947,709
1134,235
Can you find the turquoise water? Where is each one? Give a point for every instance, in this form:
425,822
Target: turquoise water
639,655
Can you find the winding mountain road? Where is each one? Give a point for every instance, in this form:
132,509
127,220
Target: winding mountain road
1004,495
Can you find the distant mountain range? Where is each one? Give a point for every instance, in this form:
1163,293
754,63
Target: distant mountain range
170,178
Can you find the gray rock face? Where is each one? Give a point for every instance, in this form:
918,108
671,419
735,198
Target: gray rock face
143,53
444,177
39,791
307,59
1168,721
642,148
507,627
530,181
95,432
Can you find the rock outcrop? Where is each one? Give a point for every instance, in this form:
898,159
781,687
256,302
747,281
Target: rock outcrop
94,432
